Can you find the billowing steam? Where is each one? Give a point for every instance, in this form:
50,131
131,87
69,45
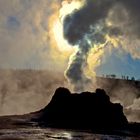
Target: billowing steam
24,91
102,22
84,27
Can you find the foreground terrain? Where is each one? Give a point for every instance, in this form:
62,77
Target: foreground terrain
53,123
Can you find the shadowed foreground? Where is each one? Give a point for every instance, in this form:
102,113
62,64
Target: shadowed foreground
83,111
90,112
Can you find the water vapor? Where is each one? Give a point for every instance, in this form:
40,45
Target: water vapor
96,23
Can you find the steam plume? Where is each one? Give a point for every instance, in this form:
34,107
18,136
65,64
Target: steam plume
84,28
96,23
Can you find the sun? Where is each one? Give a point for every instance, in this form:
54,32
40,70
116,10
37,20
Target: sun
62,44
67,8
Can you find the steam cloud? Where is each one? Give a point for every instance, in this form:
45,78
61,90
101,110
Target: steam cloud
89,25
24,91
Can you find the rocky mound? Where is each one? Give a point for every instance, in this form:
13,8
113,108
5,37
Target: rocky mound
82,111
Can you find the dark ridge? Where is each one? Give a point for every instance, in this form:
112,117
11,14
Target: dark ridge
91,111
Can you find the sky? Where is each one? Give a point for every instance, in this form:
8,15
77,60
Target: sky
31,37
121,65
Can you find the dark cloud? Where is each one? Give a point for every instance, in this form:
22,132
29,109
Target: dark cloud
81,28
89,24
79,23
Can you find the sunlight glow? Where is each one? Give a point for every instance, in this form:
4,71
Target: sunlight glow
113,40
62,44
61,50
69,7
62,135
94,59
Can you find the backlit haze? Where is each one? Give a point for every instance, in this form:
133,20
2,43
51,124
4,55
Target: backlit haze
72,40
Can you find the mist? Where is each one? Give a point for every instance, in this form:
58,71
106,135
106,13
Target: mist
24,91
125,92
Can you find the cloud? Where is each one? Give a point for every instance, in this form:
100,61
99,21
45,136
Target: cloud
79,22
24,34
109,23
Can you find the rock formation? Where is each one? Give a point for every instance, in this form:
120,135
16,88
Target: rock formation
87,110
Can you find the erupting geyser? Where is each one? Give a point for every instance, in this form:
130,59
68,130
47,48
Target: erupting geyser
85,27
90,26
